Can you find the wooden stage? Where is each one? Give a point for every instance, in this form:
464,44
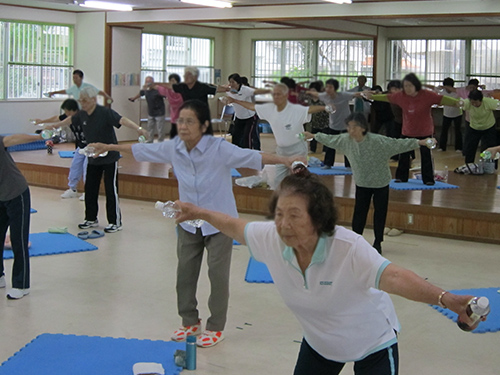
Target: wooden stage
471,212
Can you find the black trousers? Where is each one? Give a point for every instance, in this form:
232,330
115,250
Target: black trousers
487,137
92,185
383,362
15,214
330,152
443,139
403,170
246,133
362,205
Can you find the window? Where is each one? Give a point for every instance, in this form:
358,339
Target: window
485,63
163,55
308,60
35,58
431,60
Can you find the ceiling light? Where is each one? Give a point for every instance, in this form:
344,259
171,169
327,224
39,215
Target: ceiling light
106,6
209,3
339,1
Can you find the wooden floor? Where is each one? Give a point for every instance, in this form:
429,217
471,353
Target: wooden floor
471,212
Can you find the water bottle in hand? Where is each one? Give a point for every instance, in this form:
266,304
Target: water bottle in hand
171,210
90,152
477,308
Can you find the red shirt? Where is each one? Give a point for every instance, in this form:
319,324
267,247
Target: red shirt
417,117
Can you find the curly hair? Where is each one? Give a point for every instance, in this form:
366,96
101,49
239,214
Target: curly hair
320,206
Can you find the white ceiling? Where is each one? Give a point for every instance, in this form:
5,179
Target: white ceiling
423,21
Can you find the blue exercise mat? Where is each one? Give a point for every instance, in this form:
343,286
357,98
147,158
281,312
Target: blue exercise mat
257,272
51,354
54,243
492,323
35,145
66,154
235,173
414,184
333,171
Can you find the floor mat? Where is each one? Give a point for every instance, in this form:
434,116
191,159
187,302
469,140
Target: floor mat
333,171
257,272
414,184
235,173
50,354
492,323
54,243
66,154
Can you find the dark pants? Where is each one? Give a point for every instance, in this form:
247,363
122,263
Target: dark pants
383,362
443,139
92,184
330,152
362,205
245,133
403,170
487,137
173,131
15,214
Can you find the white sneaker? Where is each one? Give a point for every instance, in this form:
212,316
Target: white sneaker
2,282
394,232
15,293
69,194
82,197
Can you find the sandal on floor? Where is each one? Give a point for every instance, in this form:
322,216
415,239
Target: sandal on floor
83,235
96,234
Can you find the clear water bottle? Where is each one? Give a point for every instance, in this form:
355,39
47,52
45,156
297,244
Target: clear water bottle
170,209
191,353
47,134
89,151
142,139
330,109
431,143
302,137
477,308
486,155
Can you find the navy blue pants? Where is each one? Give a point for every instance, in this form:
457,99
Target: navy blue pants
383,362
16,215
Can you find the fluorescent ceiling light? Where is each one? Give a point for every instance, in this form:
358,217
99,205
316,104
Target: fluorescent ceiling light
339,1
106,6
209,3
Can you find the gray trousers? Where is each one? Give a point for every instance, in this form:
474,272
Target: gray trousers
156,123
190,249
282,170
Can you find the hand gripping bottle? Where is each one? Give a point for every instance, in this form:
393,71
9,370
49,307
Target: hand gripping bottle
90,152
170,209
477,308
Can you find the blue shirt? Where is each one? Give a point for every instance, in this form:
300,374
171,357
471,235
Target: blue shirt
204,173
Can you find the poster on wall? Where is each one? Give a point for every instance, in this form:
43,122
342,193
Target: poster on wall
126,79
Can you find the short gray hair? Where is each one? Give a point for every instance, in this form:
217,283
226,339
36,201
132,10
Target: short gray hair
193,70
89,91
282,87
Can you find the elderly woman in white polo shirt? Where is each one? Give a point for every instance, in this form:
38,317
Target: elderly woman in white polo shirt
287,121
202,165
334,282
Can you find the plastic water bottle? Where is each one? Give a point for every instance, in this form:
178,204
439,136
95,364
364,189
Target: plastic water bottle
191,353
302,137
431,143
477,308
142,139
330,109
170,209
90,152
486,155
47,134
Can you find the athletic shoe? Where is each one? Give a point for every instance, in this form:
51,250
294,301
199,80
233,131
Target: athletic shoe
458,151
209,338
112,228
183,332
70,193
2,282
82,197
88,224
326,167
15,293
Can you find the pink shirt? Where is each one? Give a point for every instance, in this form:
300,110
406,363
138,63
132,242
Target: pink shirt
417,118
175,101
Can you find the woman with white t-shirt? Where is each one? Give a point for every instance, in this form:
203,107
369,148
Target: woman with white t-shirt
246,120
331,279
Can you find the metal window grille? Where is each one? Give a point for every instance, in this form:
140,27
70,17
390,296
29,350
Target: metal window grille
36,58
163,55
310,60
431,60
485,64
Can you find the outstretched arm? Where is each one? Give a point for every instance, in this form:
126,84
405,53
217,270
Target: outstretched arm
286,160
230,226
247,105
103,147
60,92
405,283
132,125
19,139
39,121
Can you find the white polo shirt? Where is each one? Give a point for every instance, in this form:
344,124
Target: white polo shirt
343,315
285,124
244,94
